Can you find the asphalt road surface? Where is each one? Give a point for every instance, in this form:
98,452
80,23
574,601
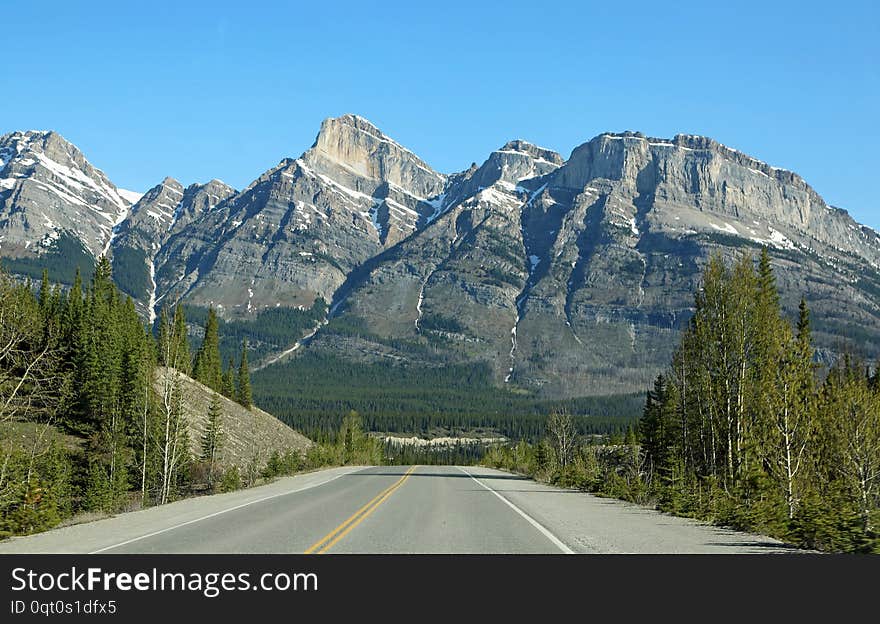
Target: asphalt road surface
393,509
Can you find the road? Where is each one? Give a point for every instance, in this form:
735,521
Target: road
392,509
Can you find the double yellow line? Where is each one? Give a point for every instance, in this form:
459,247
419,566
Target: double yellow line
328,541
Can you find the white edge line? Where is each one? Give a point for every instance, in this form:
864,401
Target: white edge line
216,513
544,531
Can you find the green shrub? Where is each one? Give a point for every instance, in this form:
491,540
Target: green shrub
231,480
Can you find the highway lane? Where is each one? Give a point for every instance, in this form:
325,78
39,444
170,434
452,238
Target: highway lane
441,509
393,509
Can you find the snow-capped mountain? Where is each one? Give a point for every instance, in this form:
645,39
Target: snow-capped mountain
49,189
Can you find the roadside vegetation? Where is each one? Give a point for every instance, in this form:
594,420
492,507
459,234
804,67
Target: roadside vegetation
94,412
742,430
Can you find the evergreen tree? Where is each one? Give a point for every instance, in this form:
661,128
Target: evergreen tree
657,427
228,382
541,458
208,367
767,281
98,494
212,437
244,379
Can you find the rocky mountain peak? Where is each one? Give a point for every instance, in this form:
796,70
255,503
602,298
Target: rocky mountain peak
48,190
507,169
200,198
160,200
535,151
169,204
350,146
20,140
336,124
50,150
689,161
214,183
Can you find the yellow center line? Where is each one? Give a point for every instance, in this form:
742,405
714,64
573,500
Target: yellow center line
329,540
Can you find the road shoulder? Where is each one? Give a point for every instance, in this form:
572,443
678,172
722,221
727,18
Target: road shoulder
590,524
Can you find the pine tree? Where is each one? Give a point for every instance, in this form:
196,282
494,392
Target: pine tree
803,325
767,280
76,291
228,382
98,495
208,367
212,437
772,415
244,378
104,327
102,280
541,458
657,427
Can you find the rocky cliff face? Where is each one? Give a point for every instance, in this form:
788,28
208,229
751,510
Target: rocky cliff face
569,277
574,278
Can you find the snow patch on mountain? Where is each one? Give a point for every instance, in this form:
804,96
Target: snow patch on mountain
132,197
727,228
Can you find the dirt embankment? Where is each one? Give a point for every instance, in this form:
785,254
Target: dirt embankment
248,433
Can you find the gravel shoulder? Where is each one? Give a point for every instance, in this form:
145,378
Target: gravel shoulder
591,524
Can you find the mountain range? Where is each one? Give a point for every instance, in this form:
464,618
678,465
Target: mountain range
568,277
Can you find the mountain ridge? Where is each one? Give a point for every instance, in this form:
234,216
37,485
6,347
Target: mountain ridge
558,272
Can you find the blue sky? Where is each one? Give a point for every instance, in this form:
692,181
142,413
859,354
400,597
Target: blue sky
227,89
